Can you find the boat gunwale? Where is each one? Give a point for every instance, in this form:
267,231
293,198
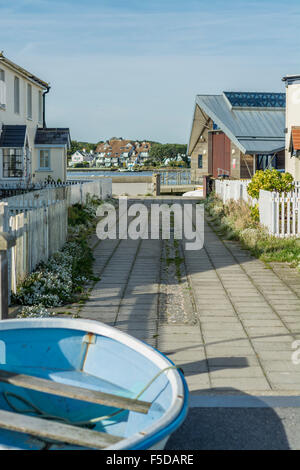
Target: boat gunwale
178,406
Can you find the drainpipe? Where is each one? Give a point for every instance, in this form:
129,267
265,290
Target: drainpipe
44,107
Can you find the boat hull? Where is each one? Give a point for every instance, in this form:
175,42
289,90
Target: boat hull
94,356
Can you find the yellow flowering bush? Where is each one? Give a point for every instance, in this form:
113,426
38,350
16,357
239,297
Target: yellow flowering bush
270,180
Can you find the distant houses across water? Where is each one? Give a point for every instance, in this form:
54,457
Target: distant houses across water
114,153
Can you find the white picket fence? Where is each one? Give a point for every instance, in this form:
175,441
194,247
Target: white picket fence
280,213
232,189
72,193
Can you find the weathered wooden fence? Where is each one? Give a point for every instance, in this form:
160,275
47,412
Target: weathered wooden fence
40,229
38,222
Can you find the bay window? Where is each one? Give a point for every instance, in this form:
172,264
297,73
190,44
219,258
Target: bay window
12,162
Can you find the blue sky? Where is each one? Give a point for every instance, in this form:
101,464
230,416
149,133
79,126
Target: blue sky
132,68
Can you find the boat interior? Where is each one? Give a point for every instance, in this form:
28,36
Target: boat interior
77,359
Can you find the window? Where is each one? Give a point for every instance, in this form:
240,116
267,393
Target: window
2,89
17,95
40,107
266,162
44,159
200,161
12,163
29,101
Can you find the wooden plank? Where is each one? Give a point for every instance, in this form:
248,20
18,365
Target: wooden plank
76,393
56,431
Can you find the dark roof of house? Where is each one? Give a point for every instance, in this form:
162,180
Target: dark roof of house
52,136
24,72
12,136
290,78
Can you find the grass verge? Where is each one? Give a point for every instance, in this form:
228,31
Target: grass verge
238,221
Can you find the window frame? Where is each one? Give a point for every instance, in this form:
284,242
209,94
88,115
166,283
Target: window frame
17,96
3,88
45,168
40,107
200,167
21,161
29,101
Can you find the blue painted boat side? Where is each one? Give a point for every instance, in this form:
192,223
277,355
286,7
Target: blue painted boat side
113,362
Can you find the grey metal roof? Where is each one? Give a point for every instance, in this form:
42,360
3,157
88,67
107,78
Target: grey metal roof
12,136
52,136
244,125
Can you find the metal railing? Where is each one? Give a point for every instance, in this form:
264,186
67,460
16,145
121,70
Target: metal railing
178,178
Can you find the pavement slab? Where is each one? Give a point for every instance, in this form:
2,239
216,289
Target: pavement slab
225,317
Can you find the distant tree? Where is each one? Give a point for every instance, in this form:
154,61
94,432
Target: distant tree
161,151
81,165
76,145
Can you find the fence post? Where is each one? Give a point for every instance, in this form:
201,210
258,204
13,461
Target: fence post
156,184
6,242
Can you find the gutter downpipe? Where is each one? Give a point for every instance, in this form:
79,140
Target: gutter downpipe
44,107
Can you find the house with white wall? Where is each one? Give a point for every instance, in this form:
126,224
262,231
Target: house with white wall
292,131
29,151
81,156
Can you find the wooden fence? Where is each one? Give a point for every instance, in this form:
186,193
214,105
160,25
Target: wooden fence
38,221
39,228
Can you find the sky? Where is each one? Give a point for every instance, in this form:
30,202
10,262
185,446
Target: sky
132,68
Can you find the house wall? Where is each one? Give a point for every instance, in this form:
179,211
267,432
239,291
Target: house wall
292,164
58,165
201,148
235,161
8,116
199,144
217,152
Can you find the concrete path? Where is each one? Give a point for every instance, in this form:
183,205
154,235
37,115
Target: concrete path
225,318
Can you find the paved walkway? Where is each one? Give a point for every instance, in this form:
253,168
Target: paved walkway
225,318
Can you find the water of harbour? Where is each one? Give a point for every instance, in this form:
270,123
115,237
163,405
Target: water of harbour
90,174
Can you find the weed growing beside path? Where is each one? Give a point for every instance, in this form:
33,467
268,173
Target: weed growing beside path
238,221
62,278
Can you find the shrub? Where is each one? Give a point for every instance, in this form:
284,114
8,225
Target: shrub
238,221
270,180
